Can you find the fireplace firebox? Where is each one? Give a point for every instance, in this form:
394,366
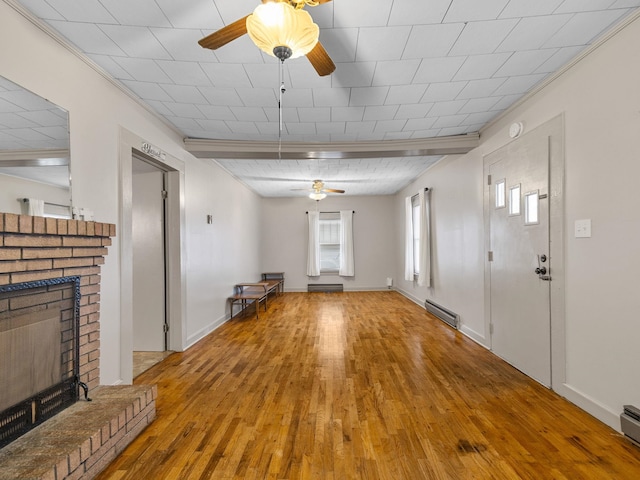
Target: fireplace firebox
39,353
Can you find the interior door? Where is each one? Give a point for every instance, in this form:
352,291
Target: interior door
520,267
148,238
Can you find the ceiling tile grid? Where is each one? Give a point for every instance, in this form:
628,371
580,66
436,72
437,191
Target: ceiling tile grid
405,69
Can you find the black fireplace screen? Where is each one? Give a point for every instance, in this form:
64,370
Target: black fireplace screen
39,352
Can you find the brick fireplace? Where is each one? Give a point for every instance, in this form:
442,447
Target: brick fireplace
36,249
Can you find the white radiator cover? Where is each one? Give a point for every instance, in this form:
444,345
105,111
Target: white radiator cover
447,316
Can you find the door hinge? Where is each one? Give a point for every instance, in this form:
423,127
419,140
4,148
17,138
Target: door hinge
165,327
488,179
490,256
165,194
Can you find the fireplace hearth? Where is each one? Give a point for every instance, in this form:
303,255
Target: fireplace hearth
39,353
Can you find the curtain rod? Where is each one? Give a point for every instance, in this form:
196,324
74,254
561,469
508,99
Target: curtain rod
26,200
329,212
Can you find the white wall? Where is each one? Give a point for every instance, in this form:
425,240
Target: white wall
457,240
285,234
600,100
12,188
97,112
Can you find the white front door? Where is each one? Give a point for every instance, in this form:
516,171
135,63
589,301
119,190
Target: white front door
520,264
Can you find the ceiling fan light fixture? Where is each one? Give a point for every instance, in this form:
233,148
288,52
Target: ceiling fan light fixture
317,196
277,24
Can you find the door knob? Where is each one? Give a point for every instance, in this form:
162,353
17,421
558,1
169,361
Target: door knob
541,270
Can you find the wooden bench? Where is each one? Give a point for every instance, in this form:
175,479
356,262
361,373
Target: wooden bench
275,281
245,293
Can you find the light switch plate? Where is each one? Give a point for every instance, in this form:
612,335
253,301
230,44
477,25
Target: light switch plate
583,228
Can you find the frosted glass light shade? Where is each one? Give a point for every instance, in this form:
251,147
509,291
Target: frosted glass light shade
278,24
317,196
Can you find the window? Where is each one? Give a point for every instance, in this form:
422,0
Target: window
514,200
415,222
329,242
531,208
500,193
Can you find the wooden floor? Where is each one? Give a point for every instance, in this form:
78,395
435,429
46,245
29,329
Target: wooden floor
359,385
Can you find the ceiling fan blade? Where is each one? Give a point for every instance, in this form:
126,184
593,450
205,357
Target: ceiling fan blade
225,35
332,190
321,61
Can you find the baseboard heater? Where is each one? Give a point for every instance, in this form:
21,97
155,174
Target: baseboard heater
325,287
630,423
447,316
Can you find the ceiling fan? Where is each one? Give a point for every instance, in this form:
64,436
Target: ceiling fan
291,35
318,192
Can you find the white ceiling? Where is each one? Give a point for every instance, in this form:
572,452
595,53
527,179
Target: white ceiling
406,70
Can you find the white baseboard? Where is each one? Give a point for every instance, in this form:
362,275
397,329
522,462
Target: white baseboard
203,332
589,405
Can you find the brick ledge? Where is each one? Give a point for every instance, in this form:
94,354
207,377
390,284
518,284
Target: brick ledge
82,440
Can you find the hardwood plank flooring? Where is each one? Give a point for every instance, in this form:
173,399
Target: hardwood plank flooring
359,385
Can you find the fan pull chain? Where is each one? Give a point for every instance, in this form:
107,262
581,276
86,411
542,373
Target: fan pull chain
282,90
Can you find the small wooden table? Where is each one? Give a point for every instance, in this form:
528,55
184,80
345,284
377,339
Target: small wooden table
245,292
274,278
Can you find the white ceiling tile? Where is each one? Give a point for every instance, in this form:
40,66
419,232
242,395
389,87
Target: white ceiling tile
185,110
531,33
302,128
143,70
481,66
249,114
191,14
242,127
88,37
323,16
427,41
348,114
148,90
527,8
226,75
340,43
479,118
362,13
25,100
241,50
159,107
480,88
322,114
625,4
524,63
438,92
213,125
415,12
473,10
136,41
506,102
110,66
460,130
558,59
27,134
288,114
257,97
221,96
395,72
297,97
55,132
184,73
139,12
580,29
216,112
264,75
435,70
12,120
519,84
357,74
418,110
445,109
380,112
42,9
476,105
368,96
184,94
419,124
232,11
405,94
330,127
383,43
187,123
482,37
385,126
302,75
331,97
85,11
572,6
360,127
182,44
44,118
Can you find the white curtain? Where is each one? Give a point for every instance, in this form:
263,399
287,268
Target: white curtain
35,207
313,255
347,264
424,276
408,240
